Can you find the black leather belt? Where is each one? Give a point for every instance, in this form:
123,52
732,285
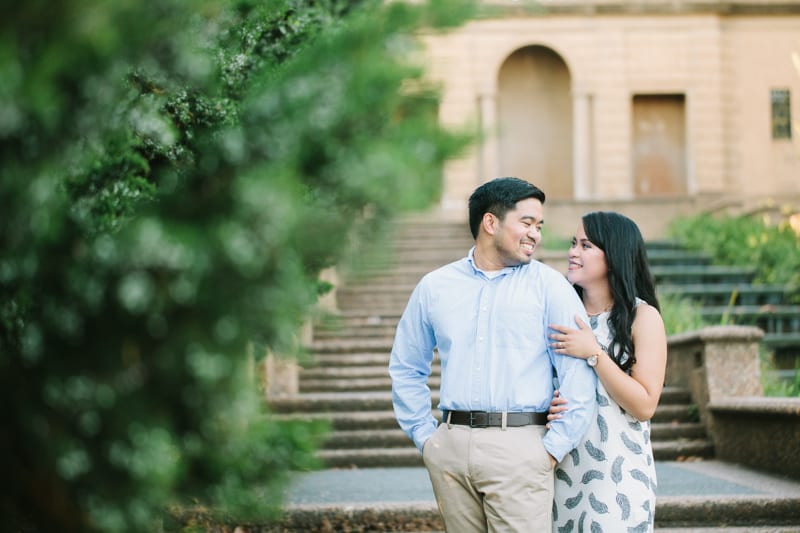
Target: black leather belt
482,419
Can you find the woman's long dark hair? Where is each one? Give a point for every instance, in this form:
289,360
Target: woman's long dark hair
628,276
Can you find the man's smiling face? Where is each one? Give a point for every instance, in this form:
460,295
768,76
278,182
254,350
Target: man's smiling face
517,235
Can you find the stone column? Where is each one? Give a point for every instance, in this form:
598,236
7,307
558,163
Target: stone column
582,145
488,164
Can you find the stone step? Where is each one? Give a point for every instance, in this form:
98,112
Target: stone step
373,410
683,437
752,513
354,372
751,314
411,272
355,359
674,514
662,431
679,274
386,302
340,346
377,289
682,449
664,245
353,318
361,331
662,257
782,340
671,407
336,405
353,384
672,413
675,395
777,318
720,294
366,438
408,455
346,421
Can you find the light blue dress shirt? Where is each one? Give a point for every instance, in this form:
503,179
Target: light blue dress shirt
491,335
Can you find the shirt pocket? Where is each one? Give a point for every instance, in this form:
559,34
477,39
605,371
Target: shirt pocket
518,328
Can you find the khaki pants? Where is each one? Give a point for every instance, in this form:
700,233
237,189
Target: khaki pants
489,479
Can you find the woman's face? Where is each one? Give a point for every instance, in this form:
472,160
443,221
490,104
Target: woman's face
587,262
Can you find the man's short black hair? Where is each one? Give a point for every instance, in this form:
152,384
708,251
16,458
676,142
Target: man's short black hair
498,197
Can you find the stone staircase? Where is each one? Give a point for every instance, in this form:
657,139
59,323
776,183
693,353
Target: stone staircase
729,296
347,382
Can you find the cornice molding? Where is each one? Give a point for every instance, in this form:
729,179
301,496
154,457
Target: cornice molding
642,7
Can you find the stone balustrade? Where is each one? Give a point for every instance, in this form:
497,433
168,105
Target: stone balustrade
720,366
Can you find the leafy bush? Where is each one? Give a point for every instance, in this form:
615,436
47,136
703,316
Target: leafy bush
745,241
175,175
680,315
750,241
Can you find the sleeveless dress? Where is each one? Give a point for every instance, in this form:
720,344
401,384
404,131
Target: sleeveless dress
608,482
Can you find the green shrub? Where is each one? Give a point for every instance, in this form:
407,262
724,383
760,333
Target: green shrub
774,249
680,315
175,175
744,241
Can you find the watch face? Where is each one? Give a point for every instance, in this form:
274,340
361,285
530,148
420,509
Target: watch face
591,360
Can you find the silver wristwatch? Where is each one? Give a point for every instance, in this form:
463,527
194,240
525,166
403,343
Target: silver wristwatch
592,360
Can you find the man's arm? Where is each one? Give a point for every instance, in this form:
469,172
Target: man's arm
577,381
410,367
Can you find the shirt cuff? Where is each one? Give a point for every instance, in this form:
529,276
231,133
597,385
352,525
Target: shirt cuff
422,434
556,445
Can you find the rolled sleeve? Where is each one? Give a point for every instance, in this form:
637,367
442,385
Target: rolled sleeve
578,384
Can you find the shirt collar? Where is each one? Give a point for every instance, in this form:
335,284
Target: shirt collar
490,275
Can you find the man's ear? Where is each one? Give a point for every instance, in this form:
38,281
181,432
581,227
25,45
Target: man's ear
489,223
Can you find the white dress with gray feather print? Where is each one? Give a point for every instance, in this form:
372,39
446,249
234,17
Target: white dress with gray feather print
607,484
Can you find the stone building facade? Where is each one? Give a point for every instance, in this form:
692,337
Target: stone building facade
654,108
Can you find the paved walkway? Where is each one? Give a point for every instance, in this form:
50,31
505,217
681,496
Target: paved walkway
411,485
704,492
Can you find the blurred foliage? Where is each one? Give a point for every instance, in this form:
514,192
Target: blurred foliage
777,379
175,175
680,314
774,248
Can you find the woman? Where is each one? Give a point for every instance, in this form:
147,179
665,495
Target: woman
608,482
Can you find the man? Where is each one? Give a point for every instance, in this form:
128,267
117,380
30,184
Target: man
491,460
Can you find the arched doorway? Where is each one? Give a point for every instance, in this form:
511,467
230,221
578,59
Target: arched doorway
534,112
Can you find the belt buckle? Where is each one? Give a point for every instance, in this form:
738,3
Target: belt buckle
474,424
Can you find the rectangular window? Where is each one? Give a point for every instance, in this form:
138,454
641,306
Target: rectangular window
781,114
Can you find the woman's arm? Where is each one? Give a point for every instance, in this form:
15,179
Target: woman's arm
639,392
